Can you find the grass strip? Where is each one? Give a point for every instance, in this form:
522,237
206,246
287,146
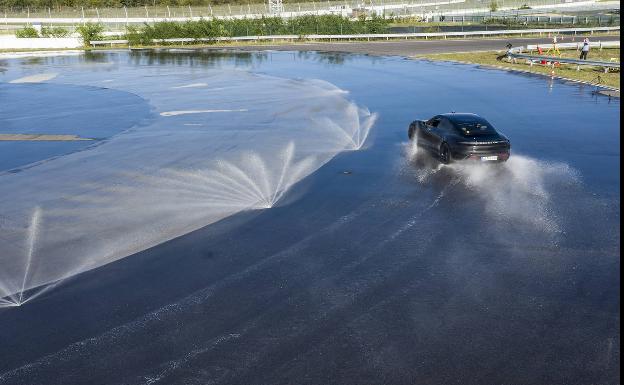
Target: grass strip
587,74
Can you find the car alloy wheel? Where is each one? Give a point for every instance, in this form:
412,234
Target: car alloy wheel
445,153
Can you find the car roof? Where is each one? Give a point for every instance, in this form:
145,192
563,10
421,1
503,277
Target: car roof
463,115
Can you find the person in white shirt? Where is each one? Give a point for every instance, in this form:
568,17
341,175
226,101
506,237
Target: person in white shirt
585,49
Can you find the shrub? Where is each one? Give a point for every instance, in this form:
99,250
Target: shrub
90,31
54,32
133,35
210,29
26,32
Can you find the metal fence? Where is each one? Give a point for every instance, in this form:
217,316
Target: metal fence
377,36
396,8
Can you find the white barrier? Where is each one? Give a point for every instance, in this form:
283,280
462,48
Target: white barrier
12,42
375,36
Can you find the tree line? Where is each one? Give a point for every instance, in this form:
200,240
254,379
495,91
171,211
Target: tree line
209,29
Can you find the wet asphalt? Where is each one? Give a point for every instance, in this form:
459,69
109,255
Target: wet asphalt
378,268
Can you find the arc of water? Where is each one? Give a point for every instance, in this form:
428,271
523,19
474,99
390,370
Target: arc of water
39,291
32,237
213,187
341,131
174,179
9,298
9,291
353,114
250,191
6,303
364,125
288,154
211,184
244,177
298,170
259,166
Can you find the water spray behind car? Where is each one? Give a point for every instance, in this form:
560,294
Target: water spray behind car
512,189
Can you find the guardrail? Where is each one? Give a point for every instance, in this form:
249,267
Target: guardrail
515,53
374,36
576,46
553,59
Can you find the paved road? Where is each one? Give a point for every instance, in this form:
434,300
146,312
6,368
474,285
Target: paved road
377,269
416,47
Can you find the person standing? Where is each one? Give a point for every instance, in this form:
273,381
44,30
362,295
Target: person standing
585,49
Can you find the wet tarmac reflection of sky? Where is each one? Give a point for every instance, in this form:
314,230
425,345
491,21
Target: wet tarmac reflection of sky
375,267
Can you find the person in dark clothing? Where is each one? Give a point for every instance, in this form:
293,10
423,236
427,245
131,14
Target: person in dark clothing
585,49
501,57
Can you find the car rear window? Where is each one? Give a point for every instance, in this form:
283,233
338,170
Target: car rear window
473,126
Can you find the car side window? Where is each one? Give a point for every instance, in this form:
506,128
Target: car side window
433,122
446,125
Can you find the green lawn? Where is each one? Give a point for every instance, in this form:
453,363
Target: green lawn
588,74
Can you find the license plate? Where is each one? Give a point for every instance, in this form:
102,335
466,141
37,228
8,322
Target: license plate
493,157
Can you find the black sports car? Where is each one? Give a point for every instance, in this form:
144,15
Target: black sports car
458,136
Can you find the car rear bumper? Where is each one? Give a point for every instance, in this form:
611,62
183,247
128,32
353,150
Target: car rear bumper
498,157
482,153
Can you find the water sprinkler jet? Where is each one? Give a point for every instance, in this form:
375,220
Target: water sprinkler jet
137,191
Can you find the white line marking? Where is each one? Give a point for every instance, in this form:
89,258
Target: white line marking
174,113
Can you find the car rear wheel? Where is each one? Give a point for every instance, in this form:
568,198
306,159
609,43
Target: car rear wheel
411,131
445,153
